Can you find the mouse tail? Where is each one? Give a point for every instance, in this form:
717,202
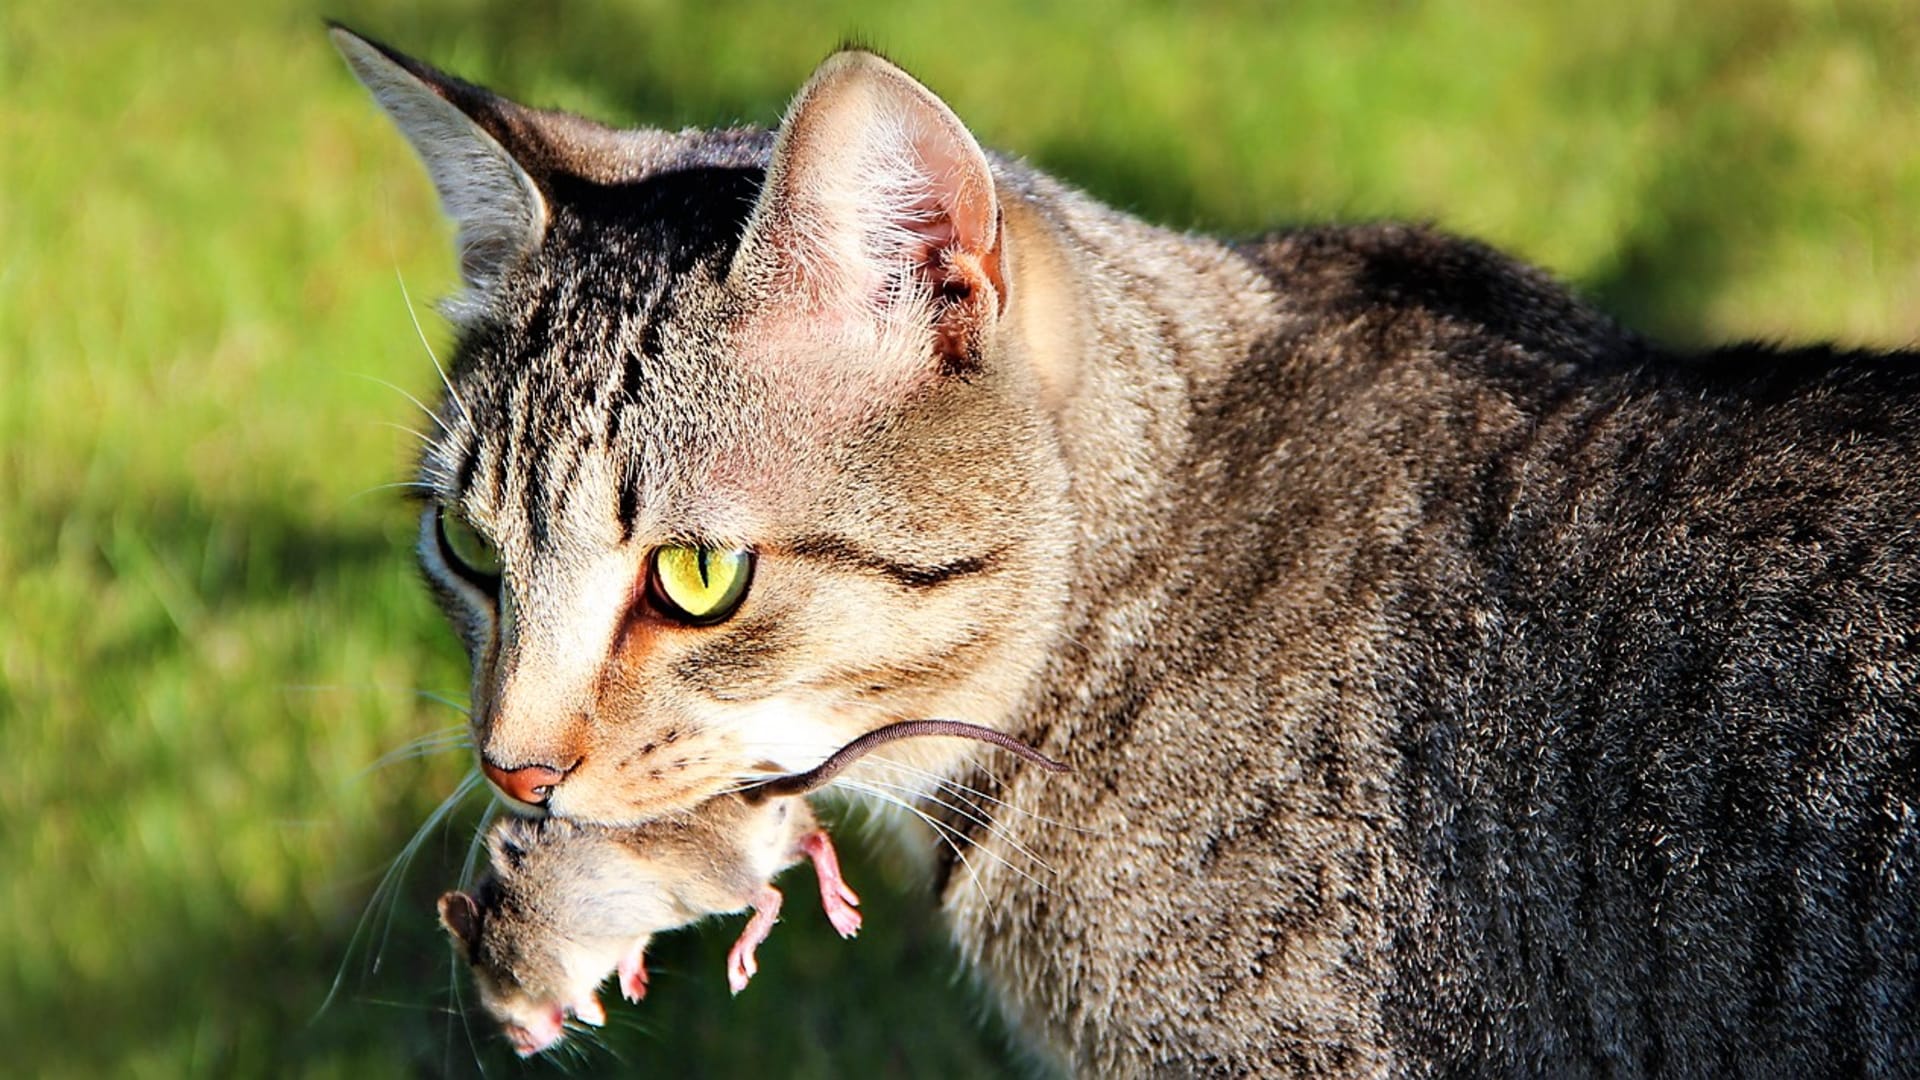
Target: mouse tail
822,774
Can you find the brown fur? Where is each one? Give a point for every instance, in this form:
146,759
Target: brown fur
1456,682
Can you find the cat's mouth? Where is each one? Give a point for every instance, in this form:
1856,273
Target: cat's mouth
592,800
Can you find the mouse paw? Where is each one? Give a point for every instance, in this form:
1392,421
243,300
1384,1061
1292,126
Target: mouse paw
633,971
836,896
588,1010
741,965
844,919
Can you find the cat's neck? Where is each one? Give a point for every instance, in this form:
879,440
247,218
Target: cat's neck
1128,327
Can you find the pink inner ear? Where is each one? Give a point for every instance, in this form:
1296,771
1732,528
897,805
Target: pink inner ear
955,214
967,207
929,219
878,200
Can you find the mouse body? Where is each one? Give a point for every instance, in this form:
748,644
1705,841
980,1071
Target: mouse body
565,905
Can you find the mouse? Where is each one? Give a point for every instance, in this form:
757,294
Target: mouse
565,904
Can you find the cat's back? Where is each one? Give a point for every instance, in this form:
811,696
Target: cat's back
1662,676
1516,425
1494,689
1592,671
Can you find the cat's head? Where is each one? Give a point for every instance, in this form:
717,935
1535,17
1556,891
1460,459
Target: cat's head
733,465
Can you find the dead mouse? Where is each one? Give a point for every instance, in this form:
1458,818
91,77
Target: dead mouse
566,904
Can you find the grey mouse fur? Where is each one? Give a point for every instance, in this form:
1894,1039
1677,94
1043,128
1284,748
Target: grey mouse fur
566,904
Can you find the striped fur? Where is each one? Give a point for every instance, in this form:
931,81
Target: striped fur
1455,682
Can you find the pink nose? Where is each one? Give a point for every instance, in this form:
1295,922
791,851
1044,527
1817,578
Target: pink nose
528,783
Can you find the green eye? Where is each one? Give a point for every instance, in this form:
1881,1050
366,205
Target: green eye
699,586
474,555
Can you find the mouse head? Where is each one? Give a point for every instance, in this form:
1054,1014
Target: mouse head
530,977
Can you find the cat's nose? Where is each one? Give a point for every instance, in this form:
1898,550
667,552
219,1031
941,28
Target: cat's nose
530,784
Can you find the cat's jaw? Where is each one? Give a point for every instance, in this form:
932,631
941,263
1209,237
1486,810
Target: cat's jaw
773,737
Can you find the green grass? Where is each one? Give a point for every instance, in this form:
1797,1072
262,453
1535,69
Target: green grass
209,624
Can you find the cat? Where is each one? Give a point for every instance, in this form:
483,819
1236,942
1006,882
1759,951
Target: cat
1455,681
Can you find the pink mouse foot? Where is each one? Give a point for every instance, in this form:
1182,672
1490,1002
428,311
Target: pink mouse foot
836,896
741,965
633,971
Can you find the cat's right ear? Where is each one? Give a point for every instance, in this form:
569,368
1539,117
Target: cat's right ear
457,129
878,201
460,914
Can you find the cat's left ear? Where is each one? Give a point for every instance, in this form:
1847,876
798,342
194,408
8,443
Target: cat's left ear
467,138
878,199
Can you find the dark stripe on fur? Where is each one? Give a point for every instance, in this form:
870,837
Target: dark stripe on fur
843,552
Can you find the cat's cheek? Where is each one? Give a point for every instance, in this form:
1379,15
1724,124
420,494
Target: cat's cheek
780,735
677,766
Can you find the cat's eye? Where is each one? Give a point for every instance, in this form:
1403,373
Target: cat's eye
696,585
473,555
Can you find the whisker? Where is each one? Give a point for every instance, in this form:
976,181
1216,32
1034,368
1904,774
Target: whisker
444,381
1062,637
935,779
467,783
433,742
387,891
963,790
415,432
412,485
1008,863
975,814
411,851
629,1020
478,842
466,1017
329,688
940,829
588,1039
409,1006
417,403
442,699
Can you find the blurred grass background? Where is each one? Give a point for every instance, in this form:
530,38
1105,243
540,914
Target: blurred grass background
209,624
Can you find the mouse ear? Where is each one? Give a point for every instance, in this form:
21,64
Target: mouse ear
509,842
460,914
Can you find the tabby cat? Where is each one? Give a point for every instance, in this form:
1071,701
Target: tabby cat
1455,682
